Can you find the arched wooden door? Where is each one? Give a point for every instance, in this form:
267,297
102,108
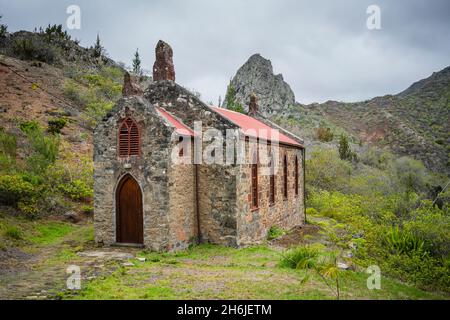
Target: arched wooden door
129,217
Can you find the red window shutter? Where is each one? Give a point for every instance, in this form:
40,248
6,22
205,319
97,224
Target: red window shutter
129,138
285,177
296,176
254,182
272,181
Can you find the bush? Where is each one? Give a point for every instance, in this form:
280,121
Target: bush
324,134
75,92
311,211
326,171
77,190
8,146
13,232
399,241
345,153
87,209
14,188
55,32
44,148
33,49
275,232
299,258
56,125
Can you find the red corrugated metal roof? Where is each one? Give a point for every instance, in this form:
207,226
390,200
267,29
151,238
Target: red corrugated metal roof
180,128
255,128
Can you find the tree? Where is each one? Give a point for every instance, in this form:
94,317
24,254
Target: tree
98,49
345,153
3,28
137,70
230,100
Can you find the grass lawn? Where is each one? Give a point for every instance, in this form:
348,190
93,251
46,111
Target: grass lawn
202,272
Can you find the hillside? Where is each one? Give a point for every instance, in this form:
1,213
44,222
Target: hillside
414,122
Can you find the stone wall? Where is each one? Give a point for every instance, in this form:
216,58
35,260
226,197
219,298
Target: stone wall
217,183
254,224
182,205
150,171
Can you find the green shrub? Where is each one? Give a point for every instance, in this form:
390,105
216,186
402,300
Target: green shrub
75,92
87,209
29,126
56,125
275,232
399,241
326,171
299,258
28,207
8,144
33,49
77,190
311,211
55,32
14,188
345,153
44,148
13,232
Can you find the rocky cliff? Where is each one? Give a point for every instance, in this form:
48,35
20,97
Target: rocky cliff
256,76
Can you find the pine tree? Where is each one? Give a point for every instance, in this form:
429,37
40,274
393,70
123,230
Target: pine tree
137,64
98,49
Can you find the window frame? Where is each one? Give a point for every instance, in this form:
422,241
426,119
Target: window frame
130,140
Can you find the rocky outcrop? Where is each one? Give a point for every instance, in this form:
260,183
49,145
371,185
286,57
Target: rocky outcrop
163,68
131,86
256,77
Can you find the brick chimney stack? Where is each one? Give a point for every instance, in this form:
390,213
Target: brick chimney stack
163,68
253,106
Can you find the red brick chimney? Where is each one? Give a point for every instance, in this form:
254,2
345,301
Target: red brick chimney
163,68
253,106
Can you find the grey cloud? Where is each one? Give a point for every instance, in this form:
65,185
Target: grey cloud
322,48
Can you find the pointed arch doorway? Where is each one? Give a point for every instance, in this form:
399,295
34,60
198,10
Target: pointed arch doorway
129,217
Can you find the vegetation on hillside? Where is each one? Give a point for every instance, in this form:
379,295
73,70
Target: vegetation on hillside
387,212
231,102
42,176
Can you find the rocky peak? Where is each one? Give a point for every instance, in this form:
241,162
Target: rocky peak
163,68
256,76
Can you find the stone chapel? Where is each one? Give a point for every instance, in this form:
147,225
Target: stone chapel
145,196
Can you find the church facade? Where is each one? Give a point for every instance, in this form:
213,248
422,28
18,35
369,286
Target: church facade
170,170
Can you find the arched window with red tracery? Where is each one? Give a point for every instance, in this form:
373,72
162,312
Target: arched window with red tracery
129,138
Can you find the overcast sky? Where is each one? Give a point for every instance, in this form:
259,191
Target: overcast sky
323,48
